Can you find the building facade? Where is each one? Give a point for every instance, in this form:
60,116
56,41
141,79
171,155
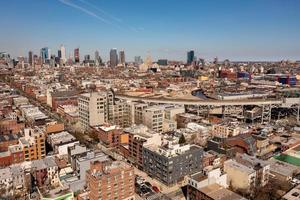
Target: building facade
170,163
111,180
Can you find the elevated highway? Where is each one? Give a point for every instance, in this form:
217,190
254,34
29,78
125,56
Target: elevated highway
242,102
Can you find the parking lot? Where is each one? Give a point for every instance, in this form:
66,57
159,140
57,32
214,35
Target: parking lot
161,187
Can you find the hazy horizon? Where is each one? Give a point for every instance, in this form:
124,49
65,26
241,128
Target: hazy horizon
255,30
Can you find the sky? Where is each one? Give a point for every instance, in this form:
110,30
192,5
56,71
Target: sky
165,29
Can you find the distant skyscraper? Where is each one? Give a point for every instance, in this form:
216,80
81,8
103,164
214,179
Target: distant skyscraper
76,55
30,57
63,53
87,58
138,60
98,60
162,62
113,58
45,54
59,53
216,60
122,57
190,56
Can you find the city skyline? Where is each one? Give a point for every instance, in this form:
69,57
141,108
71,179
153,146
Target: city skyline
235,30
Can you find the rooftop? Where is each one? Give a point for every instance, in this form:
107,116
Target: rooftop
107,128
218,192
238,166
61,138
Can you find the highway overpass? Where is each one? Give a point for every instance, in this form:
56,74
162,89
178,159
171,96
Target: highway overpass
258,102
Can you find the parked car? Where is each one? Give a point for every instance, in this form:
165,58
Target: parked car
155,189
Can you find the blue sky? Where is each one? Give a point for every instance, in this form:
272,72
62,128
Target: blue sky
233,29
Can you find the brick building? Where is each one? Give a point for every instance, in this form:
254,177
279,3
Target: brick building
111,180
10,126
111,136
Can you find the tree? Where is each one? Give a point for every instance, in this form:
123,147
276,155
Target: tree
182,139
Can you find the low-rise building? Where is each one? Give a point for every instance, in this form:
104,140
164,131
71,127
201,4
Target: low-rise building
13,155
57,193
8,140
212,192
61,141
247,172
83,163
33,144
10,126
6,183
111,135
225,130
45,172
282,171
293,194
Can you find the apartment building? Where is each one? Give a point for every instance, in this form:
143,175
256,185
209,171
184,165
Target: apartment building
225,130
45,172
199,186
138,136
61,141
13,155
138,112
247,172
120,113
110,180
111,135
172,111
33,144
170,162
93,110
153,118
97,108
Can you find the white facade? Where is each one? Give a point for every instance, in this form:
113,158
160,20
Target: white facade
214,176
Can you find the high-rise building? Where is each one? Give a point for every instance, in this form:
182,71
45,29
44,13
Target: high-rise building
63,53
216,60
87,58
76,55
113,58
93,109
97,108
163,62
98,60
45,54
122,57
110,180
30,57
190,57
59,54
138,60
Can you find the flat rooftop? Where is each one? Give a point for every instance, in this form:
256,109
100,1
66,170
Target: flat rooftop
218,192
